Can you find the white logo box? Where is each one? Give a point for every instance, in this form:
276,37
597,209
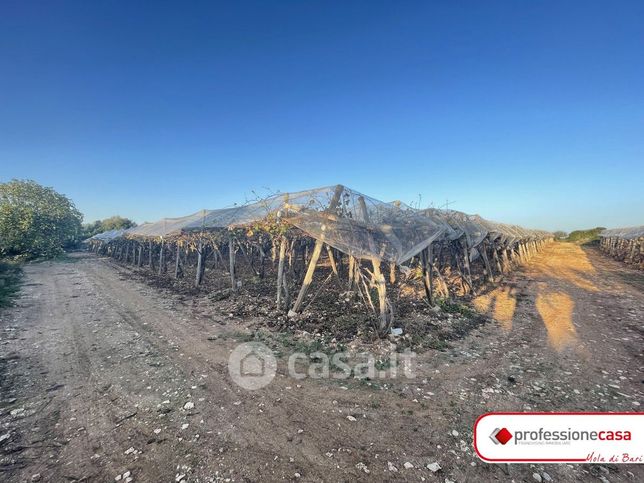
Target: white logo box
560,437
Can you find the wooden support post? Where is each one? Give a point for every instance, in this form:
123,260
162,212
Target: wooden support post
150,256
308,278
392,273
334,267
231,260
262,260
466,262
430,271
436,270
505,259
199,263
427,278
177,260
280,270
497,260
381,287
488,268
352,271
162,257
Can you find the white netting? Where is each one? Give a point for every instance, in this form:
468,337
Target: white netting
349,221
628,233
166,226
107,236
476,229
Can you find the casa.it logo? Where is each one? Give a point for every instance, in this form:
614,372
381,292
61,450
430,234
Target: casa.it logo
501,436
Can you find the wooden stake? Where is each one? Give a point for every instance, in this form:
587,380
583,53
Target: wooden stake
381,287
280,270
352,271
334,267
176,261
486,261
199,263
231,260
308,278
427,284
161,258
392,273
466,262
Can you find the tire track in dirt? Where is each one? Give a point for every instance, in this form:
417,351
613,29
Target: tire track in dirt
284,411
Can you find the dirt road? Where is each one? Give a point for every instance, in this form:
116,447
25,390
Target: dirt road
96,368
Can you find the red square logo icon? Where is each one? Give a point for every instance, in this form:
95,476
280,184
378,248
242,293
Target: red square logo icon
501,436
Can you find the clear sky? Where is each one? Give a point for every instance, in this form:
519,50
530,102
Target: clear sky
524,112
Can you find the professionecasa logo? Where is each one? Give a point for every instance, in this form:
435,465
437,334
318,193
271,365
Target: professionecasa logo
501,436
560,437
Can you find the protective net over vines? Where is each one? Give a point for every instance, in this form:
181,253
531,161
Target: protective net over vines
349,221
629,233
625,244
108,236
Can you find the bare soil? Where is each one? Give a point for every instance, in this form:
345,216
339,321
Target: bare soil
96,366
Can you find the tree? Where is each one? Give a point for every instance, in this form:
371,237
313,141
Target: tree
36,221
111,223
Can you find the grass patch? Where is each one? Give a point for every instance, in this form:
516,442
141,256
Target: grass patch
584,237
10,279
455,308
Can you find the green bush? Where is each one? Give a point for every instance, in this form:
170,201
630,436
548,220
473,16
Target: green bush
585,236
111,223
36,221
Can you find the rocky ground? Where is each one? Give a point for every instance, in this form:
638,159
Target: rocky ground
104,377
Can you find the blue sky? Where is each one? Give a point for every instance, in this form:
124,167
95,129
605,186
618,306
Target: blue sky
523,112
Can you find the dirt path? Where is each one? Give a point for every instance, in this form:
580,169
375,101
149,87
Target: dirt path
96,369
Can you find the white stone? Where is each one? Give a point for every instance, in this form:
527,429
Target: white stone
363,467
434,467
408,465
391,467
189,405
537,477
351,418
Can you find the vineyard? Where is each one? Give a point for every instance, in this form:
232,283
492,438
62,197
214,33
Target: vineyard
625,244
296,245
